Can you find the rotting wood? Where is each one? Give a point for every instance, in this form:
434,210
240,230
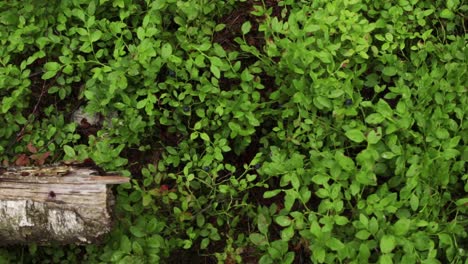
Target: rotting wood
56,204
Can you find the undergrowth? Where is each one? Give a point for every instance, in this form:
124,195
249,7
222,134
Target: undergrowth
253,131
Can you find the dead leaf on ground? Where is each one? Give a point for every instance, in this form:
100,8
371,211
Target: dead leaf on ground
22,160
31,148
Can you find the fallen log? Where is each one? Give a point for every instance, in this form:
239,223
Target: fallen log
57,204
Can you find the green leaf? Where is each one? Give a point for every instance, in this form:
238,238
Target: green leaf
447,14
374,119
341,220
389,71
125,244
374,136
287,233
136,231
355,135
414,202
270,194
246,27
215,70
147,199
141,104
384,108
52,66
463,202
362,234
205,136
258,239
48,75
200,61
204,243
262,224
345,162
387,243
137,248
335,244
386,259
283,220
155,241
316,230
68,69
402,226
69,151
318,253
166,50
216,61
91,8
320,179
95,36
289,199
366,177
311,28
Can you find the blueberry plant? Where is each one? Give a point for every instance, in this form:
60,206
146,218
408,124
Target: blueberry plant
253,131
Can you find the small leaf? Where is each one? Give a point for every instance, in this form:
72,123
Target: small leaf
262,224
137,248
216,61
414,202
204,136
363,234
355,135
22,160
125,244
345,162
204,243
200,220
384,108
287,233
141,104
283,220
374,119
341,220
40,158
258,239
389,71
136,231
447,14
48,75
335,244
246,27
387,243
385,259
215,70
366,178
402,226
69,151
91,8
319,253
95,36
52,66
374,136
269,194
166,50
146,200
31,148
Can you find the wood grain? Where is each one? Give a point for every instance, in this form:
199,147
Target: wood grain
64,205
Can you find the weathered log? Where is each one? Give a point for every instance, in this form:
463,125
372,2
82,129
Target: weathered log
55,204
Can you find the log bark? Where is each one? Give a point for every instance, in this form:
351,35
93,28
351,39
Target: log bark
56,204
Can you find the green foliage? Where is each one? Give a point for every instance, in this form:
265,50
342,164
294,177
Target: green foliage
331,131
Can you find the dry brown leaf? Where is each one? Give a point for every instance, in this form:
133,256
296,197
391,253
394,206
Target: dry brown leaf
22,160
31,148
